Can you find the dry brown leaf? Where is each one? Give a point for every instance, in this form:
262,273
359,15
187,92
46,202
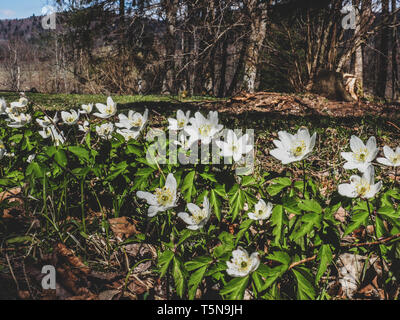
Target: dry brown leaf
121,227
341,214
13,197
70,257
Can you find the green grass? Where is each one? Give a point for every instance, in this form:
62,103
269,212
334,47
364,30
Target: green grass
67,101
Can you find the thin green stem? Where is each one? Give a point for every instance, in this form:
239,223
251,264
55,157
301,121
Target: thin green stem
380,251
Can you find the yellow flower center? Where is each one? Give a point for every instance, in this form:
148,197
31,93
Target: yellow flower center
2,146
164,196
181,123
395,159
361,155
199,216
299,148
137,122
110,109
362,188
204,130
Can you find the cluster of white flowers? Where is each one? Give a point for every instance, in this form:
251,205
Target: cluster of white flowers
129,126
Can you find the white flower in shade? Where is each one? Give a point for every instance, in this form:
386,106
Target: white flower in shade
183,141
106,111
163,198
70,118
22,102
291,148
85,127
134,120
31,158
18,120
180,122
198,217
3,106
58,137
2,149
128,134
362,187
262,210
233,146
392,158
242,264
47,122
203,129
46,132
105,130
362,155
86,108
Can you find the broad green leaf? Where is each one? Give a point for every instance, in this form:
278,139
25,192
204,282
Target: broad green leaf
305,287
164,261
188,189
277,185
215,204
198,262
278,218
194,281
310,206
236,201
357,220
325,258
234,289
179,276
80,152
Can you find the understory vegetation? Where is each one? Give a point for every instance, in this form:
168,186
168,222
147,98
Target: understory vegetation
83,181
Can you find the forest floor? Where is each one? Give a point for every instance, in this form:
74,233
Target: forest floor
23,250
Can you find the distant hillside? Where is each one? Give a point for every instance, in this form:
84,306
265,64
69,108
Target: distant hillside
27,28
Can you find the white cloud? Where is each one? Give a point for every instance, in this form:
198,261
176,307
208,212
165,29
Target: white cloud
7,12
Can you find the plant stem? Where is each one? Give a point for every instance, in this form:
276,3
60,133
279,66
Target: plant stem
304,178
380,252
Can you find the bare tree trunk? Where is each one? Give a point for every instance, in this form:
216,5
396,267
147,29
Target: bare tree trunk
383,56
395,76
170,7
222,84
258,30
358,63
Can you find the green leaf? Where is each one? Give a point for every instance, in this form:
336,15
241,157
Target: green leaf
179,276
237,199
215,203
235,288
280,256
277,185
244,226
188,189
61,158
164,260
357,220
310,220
278,218
198,262
325,258
195,280
310,206
20,239
80,152
305,288
208,176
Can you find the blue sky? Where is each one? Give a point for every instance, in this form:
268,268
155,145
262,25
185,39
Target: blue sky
11,9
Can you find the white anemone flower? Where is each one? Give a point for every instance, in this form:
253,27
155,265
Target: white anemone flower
163,198
86,108
18,120
46,132
362,155
3,106
134,120
182,141
180,122
362,187
106,111
203,129
47,122
70,118
105,130
84,127
262,210
31,157
291,148
22,102
2,149
58,137
392,158
198,217
128,134
233,146
242,264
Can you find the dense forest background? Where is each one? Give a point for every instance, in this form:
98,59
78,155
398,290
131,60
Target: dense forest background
209,47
